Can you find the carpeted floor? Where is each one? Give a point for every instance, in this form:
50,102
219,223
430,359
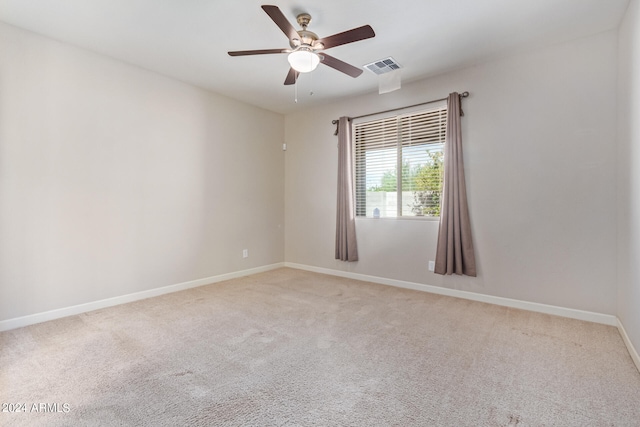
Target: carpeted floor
293,348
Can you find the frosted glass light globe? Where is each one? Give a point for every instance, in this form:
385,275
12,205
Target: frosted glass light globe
303,60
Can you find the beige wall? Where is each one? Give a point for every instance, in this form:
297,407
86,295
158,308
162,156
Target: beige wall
629,174
115,180
539,139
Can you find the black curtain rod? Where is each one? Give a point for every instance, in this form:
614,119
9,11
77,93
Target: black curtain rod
462,95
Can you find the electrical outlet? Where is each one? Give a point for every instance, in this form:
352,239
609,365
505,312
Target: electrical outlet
245,253
432,265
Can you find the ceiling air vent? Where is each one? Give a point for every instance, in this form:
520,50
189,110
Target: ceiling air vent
383,66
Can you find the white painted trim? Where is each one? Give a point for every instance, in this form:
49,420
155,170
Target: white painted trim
31,319
571,313
632,351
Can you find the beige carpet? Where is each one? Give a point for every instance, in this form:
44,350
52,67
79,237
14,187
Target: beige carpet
293,348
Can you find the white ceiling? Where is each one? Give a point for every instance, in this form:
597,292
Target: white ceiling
189,39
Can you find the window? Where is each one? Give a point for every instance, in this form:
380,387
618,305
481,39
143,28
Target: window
399,164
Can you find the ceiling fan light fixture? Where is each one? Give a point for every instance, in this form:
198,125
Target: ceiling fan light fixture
303,56
303,60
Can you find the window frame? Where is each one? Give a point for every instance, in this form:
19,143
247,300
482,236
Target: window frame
396,115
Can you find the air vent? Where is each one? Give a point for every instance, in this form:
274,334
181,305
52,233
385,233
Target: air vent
383,66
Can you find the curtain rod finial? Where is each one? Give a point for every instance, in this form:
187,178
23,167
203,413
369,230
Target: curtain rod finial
464,94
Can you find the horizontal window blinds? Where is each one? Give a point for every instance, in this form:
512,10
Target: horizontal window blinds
423,128
398,164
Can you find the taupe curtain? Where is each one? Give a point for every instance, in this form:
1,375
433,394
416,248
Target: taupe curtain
346,245
455,247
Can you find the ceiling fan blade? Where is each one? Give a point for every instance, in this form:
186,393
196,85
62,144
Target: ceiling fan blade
257,52
291,77
340,65
350,36
276,15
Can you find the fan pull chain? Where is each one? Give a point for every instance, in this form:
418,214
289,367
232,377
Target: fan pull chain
311,84
295,85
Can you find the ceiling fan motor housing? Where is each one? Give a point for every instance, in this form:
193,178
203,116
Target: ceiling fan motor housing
307,38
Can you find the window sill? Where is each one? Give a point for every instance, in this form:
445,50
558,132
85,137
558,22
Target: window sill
400,218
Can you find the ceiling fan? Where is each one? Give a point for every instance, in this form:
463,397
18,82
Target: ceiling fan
305,45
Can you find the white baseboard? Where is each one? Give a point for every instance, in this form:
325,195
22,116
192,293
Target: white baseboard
632,350
588,316
20,322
